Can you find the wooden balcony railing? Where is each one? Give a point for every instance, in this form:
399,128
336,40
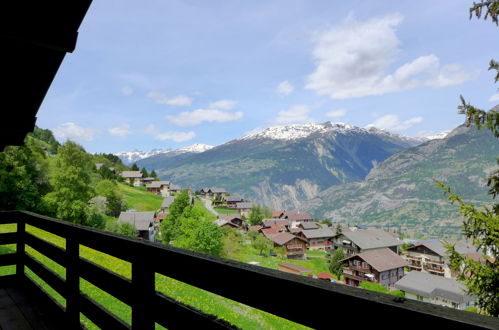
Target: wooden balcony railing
265,289
432,261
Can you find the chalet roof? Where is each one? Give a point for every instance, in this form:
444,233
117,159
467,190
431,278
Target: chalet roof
157,184
318,233
167,201
175,187
371,238
205,190
281,238
222,222
229,217
267,232
275,222
381,259
131,174
433,286
234,198
324,276
277,214
308,225
148,179
141,220
296,215
254,228
297,268
218,190
244,205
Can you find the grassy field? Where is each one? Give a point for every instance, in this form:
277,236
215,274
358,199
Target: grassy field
238,314
223,210
139,199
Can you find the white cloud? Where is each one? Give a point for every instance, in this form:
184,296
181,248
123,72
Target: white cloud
223,105
393,123
121,130
494,98
353,59
149,129
297,114
71,131
176,136
179,100
336,113
196,117
127,90
284,88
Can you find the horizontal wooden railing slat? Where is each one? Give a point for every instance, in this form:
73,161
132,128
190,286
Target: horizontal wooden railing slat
100,315
112,283
8,259
48,249
51,278
173,315
8,238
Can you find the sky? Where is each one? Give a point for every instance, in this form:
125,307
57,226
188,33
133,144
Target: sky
167,74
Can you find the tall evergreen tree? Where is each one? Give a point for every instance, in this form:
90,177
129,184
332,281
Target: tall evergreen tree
134,167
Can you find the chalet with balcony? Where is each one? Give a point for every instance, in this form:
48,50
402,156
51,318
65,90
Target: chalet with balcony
295,247
382,266
173,189
230,220
318,239
233,200
361,240
267,223
244,209
434,289
142,221
296,216
431,257
132,177
159,188
147,180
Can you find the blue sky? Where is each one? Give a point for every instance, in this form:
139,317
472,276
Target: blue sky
166,74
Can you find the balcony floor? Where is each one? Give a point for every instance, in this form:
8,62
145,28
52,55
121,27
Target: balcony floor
24,307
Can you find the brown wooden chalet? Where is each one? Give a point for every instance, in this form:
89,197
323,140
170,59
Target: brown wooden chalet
318,239
296,216
361,240
381,266
36,35
230,220
295,247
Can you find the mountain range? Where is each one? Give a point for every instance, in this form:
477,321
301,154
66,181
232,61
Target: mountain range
130,157
283,166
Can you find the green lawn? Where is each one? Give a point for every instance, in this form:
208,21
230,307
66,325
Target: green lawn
223,210
238,314
139,199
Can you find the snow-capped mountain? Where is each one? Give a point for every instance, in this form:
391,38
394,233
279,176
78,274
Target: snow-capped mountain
131,157
440,135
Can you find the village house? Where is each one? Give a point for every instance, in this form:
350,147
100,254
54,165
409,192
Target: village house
233,200
318,239
309,225
296,216
294,269
159,188
147,180
295,247
277,214
231,220
266,223
132,177
434,289
431,257
382,266
267,232
174,189
361,240
244,209
143,222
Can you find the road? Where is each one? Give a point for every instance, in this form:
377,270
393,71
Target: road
209,207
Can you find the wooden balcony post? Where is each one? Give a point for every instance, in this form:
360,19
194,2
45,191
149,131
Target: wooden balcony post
72,282
20,247
144,290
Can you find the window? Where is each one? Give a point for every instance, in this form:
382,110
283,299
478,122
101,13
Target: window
364,264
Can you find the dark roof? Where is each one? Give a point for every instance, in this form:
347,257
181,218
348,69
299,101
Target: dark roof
218,190
433,286
296,216
318,233
381,259
141,220
371,238
277,214
233,198
281,238
244,205
36,36
175,187
275,222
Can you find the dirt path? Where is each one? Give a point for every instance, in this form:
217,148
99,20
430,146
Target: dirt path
209,207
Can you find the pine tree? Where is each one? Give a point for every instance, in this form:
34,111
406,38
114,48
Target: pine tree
481,225
134,167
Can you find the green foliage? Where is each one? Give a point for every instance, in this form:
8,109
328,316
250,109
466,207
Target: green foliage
372,286
134,167
71,183
115,203
262,244
21,180
481,225
232,243
335,265
44,135
144,172
206,237
127,229
280,252
153,174
105,173
256,215
94,218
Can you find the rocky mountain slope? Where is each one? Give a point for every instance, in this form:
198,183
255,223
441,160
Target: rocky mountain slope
400,192
130,157
284,165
